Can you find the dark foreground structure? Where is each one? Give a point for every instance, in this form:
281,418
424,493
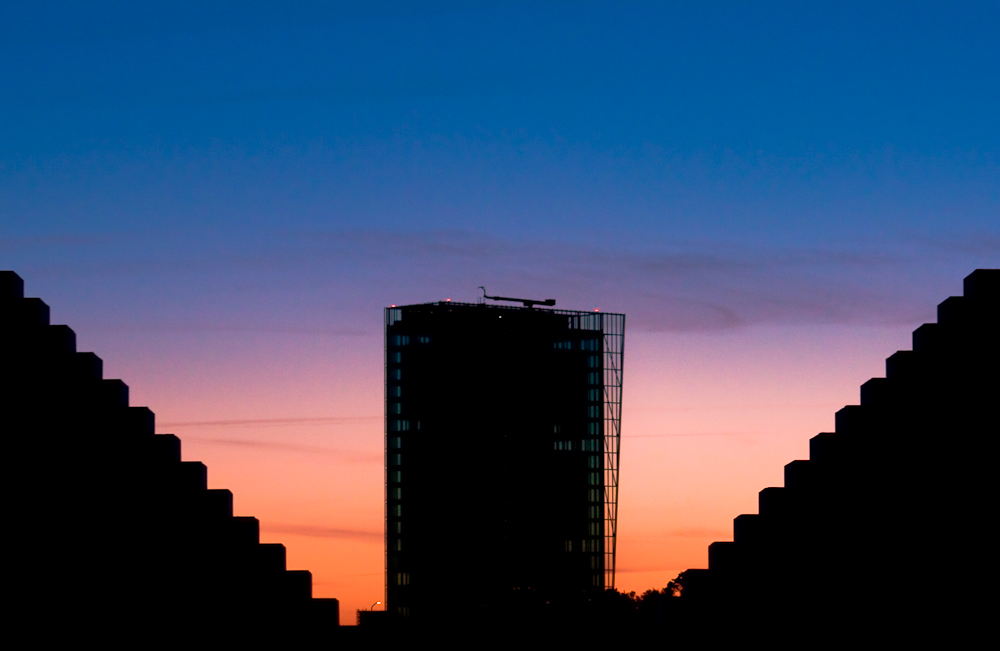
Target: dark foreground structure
885,533
109,535
502,436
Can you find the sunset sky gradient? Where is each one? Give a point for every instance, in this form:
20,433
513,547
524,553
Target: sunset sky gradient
221,197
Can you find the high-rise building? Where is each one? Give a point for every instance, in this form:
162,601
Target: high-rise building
503,428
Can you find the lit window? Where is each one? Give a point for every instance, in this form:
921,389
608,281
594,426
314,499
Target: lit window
592,378
399,425
593,461
594,528
400,340
595,512
595,494
594,395
593,361
593,428
569,545
593,411
423,340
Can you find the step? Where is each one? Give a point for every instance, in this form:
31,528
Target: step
773,501
163,449
11,286
25,314
876,391
800,475
983,285
722,556
271,557
297,585
746,528
900,365
219,503
824,447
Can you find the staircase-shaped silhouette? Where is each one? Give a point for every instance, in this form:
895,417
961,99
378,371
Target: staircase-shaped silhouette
111,533
887,527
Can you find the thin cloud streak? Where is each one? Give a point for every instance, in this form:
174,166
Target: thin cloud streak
348,456
329,420
312,531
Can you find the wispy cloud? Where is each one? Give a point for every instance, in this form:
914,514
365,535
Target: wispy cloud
329,420
342,278
346,456
313,531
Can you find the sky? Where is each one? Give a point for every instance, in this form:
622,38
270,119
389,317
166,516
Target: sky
220,198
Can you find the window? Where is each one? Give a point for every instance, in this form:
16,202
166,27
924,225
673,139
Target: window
593,361
589,445
395,442
395,391
398,527
423,340
396,357
395,459
397,374
395,408
593,411
396,476
593,429
396,510
396,493
593,526
595,494
400,340
402,578
593,461
563,345
569,545
399,425
595,512
594,478
592,378
590,344
593,395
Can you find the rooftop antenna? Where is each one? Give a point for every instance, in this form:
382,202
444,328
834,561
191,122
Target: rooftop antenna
526,302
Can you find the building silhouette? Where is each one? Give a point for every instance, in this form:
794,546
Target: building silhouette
501,447
113,536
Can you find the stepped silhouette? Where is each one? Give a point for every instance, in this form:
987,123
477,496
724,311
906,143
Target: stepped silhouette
886,529
113,536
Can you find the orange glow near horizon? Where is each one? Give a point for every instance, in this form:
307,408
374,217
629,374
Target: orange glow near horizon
708,421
